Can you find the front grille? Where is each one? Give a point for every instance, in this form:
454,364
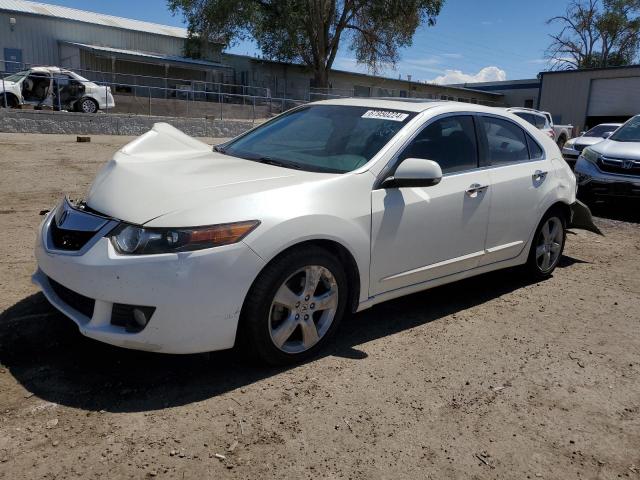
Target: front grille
78,302
70,240
619,166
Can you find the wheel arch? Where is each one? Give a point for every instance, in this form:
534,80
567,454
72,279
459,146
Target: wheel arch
339,251
561,207
11,98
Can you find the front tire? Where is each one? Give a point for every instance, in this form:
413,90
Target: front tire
294,306
548,245
8,101
87,105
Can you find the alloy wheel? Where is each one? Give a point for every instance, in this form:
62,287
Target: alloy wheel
549,244
88,106
303,309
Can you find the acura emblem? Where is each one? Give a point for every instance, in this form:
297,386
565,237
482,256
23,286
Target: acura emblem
63,217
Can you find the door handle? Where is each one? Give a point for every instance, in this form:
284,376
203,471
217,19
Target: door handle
475,188
539,175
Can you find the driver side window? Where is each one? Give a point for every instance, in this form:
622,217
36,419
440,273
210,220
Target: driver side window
450,141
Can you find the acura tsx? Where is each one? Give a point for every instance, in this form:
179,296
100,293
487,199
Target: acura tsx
270,239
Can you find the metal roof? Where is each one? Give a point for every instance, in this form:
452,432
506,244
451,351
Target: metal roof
44,9
161,57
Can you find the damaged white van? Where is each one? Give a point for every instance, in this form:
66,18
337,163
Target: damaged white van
56,88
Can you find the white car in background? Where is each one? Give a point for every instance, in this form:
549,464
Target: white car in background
330,208
540,120
574,147
56,88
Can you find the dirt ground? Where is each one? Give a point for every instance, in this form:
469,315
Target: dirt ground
492,377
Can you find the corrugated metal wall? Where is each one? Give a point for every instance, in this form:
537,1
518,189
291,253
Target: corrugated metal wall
38,38
566,94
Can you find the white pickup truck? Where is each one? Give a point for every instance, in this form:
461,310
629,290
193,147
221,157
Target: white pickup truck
562,132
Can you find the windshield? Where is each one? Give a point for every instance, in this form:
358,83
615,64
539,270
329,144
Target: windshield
16,77
600,130
629,132
324,138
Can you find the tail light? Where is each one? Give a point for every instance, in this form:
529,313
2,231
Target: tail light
552,134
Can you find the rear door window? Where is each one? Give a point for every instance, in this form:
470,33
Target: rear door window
506,141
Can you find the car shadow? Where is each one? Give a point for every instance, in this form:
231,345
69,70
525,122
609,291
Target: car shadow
46,354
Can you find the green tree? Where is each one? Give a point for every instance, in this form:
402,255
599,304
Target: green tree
596,34
310,31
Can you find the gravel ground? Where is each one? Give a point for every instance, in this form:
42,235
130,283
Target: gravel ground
492,377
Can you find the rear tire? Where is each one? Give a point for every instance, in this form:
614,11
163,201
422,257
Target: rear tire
294,306
561,142
548,245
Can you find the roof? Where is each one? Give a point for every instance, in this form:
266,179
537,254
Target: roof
409,104
159,57
43,9
586,70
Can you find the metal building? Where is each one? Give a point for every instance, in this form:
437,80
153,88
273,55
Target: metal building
516,93
128,54
585,98
41,34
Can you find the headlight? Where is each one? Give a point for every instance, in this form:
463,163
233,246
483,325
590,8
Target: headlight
570,143
134,240
590,155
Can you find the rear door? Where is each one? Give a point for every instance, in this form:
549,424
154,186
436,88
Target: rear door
519,178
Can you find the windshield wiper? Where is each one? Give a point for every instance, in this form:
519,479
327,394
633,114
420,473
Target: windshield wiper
278,163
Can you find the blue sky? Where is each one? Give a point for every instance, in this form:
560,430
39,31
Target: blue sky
473,40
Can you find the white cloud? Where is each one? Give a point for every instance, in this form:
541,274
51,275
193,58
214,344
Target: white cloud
487,74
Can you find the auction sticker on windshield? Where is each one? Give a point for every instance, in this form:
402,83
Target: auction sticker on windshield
385,115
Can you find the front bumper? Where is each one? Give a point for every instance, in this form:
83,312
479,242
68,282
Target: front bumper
197,295
593,183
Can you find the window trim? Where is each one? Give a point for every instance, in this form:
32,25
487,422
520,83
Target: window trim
487,159
394,161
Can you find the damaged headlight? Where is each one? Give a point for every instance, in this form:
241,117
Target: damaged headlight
134,240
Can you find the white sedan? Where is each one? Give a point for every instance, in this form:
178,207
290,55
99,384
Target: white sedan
54,87
330,208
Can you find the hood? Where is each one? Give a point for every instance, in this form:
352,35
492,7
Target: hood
166,172
588,141
613,149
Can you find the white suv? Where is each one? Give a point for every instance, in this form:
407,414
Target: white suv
535,118
329,208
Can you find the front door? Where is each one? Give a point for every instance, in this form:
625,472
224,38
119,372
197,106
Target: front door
420,234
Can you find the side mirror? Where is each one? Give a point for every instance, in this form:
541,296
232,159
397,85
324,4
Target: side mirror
414,172
582,133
